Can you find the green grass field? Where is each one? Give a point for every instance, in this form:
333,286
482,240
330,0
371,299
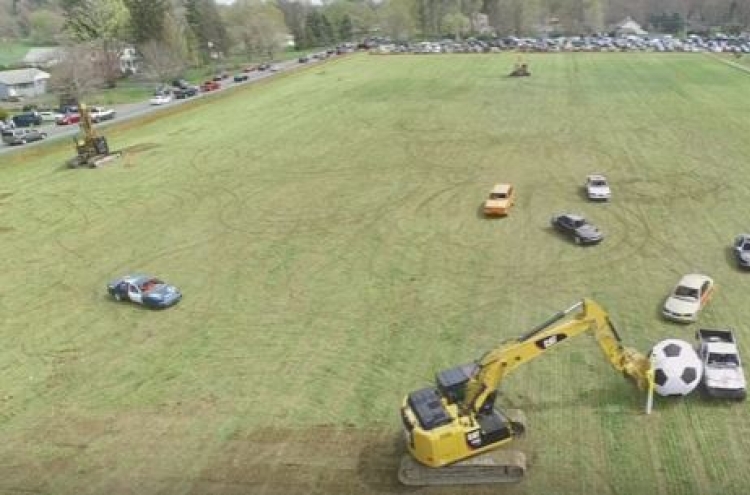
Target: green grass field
12,52
325,230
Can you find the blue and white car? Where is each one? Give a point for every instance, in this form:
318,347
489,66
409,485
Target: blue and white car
145,290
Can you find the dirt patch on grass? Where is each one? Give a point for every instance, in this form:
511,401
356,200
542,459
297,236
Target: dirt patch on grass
317,460
139,148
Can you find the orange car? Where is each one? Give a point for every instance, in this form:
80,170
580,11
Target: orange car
501,199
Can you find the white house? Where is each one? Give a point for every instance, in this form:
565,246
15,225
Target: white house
23,82
129,60
629,26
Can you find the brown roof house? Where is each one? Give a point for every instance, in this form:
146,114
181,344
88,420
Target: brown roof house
23,82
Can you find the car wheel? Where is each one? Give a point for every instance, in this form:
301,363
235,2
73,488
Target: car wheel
577,240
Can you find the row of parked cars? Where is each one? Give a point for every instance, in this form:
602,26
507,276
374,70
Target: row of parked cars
602,43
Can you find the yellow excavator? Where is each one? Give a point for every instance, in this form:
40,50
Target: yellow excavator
453,430
92,149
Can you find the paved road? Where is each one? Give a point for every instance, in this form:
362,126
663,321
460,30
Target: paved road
135,110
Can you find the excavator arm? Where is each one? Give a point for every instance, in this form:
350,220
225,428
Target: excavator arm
494,366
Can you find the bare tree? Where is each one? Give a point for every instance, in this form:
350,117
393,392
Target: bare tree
258,25
77,74
162,62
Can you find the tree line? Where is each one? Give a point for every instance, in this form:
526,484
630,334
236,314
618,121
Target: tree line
172,34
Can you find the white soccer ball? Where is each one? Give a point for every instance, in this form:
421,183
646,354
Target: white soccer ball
677,367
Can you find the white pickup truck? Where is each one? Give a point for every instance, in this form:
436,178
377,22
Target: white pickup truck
723,376
99,114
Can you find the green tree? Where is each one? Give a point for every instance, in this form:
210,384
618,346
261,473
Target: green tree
103,24
258,26
456,24
346,31
44,26
397,20
206,24
147,19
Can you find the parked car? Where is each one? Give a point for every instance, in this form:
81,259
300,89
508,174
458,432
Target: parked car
578,228
241,77
303,60
49,115
160,98
723,374
181,83
210,86
27,119
597,188
688,298
181,94
145,290
100,114
68,119
264,66
22,136
742,250
500,200
250,68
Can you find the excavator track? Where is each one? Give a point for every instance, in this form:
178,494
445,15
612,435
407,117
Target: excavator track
497,466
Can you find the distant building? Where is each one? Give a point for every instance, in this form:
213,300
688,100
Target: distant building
629,27
129,60
480,23
43,57
23,82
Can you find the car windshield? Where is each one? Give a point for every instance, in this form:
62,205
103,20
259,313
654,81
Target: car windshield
578,223
727,360
686,292
598,183
746,246
498,196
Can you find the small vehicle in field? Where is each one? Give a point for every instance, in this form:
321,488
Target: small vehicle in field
502,197
597,188
742,250
723,375
688,298
578,228
146,290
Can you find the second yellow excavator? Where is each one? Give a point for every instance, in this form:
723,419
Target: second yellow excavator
453,430
91,148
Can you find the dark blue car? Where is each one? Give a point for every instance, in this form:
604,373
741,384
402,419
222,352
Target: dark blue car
145,290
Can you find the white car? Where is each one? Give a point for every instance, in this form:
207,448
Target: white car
597,188
160,99
49,115
688,297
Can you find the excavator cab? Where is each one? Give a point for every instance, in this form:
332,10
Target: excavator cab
521,69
